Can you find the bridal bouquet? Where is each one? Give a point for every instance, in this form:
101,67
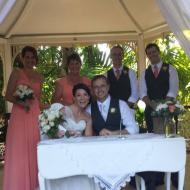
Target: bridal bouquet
23,92
49,122
168,108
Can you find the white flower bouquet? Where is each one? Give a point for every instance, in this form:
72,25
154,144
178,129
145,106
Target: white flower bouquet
23,92
168,108
49,122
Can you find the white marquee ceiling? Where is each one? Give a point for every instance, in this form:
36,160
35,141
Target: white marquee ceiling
72,21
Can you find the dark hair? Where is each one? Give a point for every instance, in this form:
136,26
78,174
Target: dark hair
83,87
117,46
100,77
151,45
29,49
73,56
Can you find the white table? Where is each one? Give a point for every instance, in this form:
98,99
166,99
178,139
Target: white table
108,156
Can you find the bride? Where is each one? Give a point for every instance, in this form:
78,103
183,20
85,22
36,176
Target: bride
78,122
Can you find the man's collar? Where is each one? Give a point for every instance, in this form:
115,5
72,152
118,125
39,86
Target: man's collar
159,64
105,102
120,68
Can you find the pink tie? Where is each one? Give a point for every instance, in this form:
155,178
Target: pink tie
156,71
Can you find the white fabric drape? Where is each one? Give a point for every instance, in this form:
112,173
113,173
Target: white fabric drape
177,15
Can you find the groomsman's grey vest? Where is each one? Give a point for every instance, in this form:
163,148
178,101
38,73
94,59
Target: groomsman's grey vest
113,119
120,88
157,88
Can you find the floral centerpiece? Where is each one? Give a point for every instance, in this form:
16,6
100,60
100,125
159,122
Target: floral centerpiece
168,108
49,122
23,93
163,117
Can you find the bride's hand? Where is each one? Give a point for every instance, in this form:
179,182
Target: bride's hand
74,133
61,133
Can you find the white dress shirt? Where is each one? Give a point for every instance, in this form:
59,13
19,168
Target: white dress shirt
133,82
173,82
127,117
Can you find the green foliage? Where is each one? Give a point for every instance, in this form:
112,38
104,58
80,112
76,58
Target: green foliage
139,117
183,124
130,59
94,61
49,66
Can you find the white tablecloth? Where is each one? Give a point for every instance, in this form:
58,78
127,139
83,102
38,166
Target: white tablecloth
110,158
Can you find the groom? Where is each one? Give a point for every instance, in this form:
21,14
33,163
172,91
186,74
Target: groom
109,115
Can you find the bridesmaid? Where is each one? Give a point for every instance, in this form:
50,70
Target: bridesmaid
21,171
64,86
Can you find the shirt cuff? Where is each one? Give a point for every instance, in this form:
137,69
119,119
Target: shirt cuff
133,129
143,95
131,99
170,94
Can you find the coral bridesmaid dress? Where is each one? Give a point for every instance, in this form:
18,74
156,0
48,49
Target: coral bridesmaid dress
66,87
21,143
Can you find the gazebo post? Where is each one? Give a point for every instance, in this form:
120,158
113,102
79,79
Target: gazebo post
141,65
7,66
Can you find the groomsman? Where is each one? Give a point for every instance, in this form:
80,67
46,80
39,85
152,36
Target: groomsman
123,81
158,81
109,114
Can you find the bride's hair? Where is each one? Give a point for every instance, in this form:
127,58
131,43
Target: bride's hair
83,87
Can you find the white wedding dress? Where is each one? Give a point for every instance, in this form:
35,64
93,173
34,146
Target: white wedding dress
80,182
71,124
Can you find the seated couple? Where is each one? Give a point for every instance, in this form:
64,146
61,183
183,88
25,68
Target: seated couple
107,114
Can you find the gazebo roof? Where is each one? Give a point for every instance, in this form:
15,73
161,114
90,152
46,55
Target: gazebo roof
80,21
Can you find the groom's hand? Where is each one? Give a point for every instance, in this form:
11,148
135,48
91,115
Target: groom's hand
105,132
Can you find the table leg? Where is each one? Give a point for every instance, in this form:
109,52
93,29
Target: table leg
41,182
140,183
168,180
137,182
181,176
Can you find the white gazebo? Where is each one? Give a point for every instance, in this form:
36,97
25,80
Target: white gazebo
71,22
